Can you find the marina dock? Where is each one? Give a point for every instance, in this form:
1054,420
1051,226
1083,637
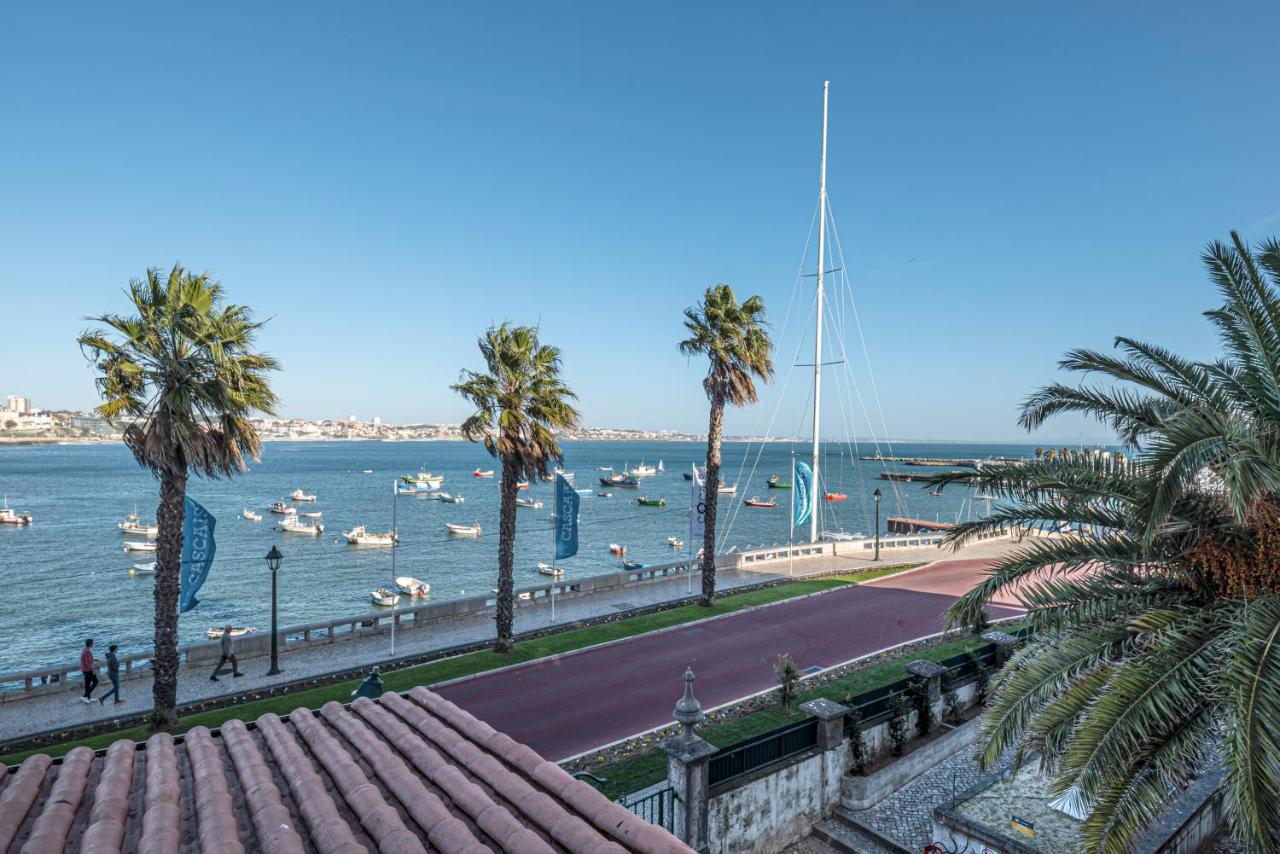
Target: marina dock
907,525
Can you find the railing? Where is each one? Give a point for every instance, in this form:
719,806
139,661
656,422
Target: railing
656,807
743,758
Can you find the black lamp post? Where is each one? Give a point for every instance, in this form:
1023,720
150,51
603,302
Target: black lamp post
877,496
273,563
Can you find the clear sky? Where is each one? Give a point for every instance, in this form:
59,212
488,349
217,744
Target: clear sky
385,180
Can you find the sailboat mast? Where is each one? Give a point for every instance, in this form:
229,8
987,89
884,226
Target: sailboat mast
817,333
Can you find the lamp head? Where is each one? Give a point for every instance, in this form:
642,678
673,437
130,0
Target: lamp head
273,559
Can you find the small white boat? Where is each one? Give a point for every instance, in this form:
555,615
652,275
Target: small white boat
367,471
472,530
411,586
217,632
604,494
312,514
251,515
643,470
359,536
9,516
442,496
299,495
139,546
294,525
675,542
143,569
548,569
529,502
386,598
133,524
727,489
478,473
524,595
451,499
616,549
604,468
282,509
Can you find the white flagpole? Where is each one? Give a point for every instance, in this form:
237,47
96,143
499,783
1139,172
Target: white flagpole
791,519
395,531
688,549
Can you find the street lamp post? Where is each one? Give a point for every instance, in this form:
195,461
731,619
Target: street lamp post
877,496
273,563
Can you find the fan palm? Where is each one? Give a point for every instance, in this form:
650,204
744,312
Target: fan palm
734,339
520,401
182,380
1156,601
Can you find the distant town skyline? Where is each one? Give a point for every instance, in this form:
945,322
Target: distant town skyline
1008,184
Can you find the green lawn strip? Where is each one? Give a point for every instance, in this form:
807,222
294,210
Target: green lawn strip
635,773
479,662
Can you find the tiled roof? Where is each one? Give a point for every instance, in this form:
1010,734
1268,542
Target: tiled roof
402,774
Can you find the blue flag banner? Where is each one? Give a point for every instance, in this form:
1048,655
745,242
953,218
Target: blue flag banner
197,552
802,486
566,518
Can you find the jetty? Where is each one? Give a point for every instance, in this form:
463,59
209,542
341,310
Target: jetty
961,462
912,475
907,525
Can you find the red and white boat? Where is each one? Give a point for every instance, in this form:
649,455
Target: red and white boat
836,496
524,484
478,473
756,502
9,516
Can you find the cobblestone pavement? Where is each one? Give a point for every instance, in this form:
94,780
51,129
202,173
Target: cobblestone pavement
811,845
906,816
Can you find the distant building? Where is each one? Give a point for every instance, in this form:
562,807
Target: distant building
18,405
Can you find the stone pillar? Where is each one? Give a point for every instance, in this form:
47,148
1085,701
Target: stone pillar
830,715
932,675
688,760
1004,644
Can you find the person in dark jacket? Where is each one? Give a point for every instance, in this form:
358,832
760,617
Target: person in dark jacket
113,673
228,654
88,670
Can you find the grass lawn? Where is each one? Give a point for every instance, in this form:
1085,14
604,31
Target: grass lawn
479,662
631,775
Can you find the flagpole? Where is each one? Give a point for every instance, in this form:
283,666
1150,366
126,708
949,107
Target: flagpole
791,519
555,541
688,549
395,531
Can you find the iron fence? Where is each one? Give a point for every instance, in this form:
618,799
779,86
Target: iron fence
656,807
746,756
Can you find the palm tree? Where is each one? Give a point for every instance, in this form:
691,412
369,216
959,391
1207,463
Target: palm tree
733,337
520,401
1156,652
181,378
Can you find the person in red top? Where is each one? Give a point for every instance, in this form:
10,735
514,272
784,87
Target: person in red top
88,670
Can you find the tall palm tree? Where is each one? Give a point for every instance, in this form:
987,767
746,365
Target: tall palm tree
734,339
181,378
520,401
1157,646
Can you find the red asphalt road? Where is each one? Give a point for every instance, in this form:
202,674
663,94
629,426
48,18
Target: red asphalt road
583,700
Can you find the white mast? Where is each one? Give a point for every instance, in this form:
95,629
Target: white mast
817,334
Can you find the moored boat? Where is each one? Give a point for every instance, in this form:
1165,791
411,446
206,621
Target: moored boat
361,536
299,495
478,473
616,549
133,524
835,496
727,489
472,530
451,499
604,494
645,501
143,568
139,546
9,516
384,597
282,509
411,586
675,542
251,515
642,470
775,482
548,569
423,478
294,525
754,501
529,502
632,564
524,484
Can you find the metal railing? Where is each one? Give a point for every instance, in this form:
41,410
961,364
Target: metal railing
743,758
656,807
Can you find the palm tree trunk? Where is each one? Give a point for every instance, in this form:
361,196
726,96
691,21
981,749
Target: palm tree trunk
169,516
504,611
713,493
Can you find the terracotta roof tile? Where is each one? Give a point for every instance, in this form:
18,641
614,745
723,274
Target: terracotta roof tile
399,775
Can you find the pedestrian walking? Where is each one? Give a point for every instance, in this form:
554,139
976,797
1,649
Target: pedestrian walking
228,654
113,673
88,670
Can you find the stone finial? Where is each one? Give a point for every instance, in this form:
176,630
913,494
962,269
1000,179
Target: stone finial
1000,638
925,669
688,710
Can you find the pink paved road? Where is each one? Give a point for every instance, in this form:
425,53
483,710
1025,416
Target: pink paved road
583,700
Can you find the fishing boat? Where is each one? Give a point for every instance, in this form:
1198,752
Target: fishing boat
835,496
524,484
612,479
755,501
472,530
139,546
282,509
411,586
548,569
529,502
294,525
133,524
604,494
616,549
675,542
9,516
632,564
384,597
478,473
251,515
626,482
361,536
423,478
642,470
775,482
143,568
645,501
727,489
217,632
299,495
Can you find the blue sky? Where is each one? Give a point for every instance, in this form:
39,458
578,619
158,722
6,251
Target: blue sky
384,181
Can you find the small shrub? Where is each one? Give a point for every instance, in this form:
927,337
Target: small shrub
900,711
857,741
788,676
950,700
982,676
925,717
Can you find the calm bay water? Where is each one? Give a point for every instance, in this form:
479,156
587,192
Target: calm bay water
66,577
